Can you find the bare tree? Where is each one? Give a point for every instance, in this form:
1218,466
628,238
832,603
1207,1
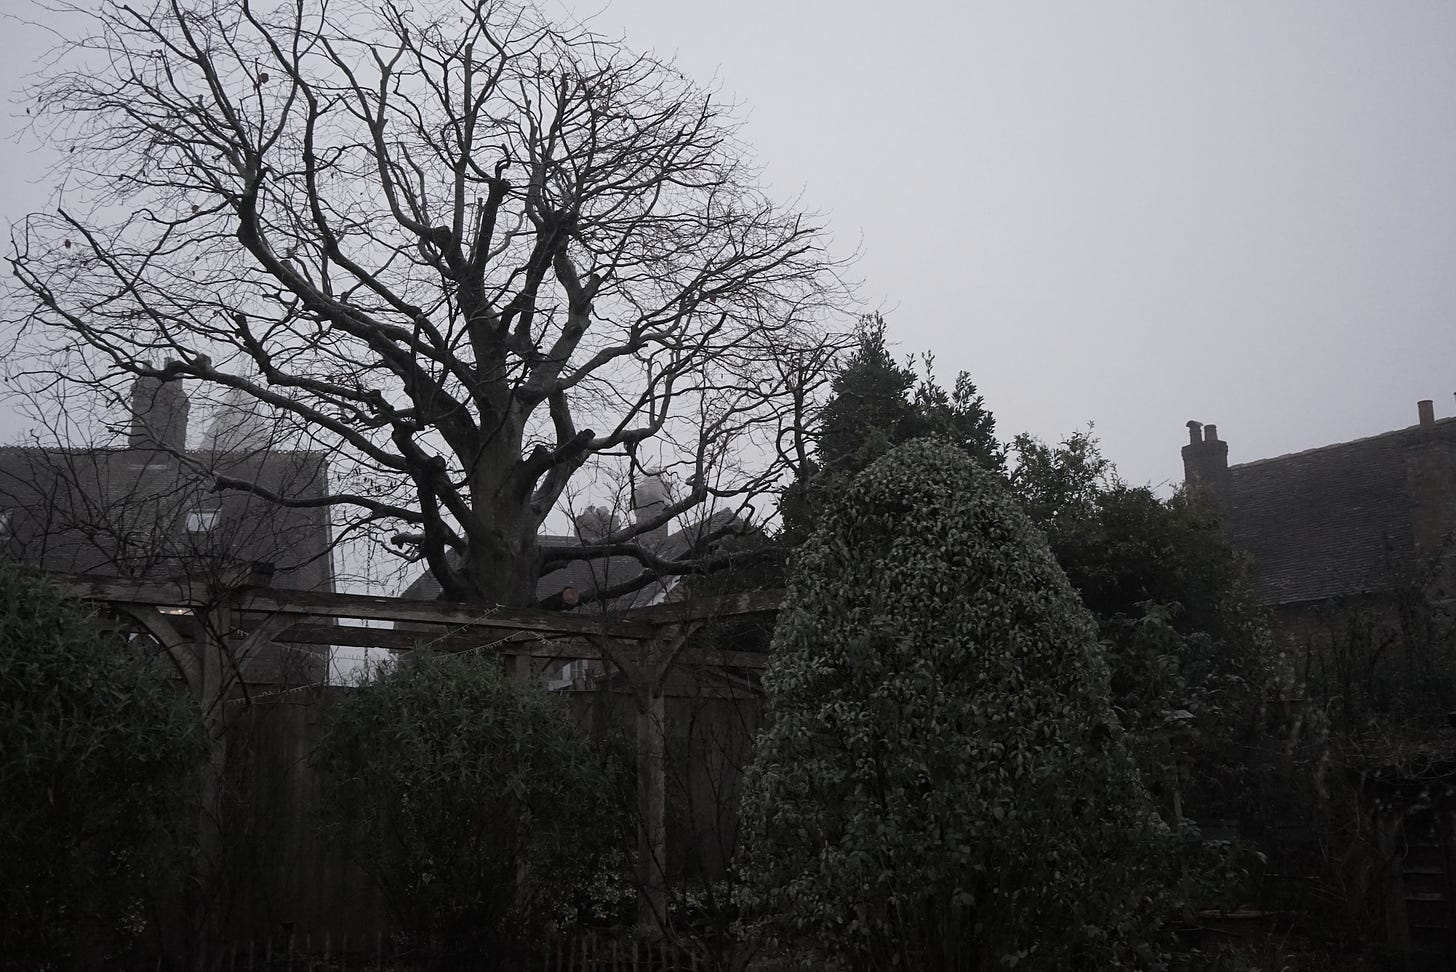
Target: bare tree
465,251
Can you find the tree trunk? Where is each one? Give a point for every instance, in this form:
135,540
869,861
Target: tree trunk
504,557
503,570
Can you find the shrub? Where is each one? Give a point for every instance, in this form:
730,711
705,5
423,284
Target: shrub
471,799
95,748
942,782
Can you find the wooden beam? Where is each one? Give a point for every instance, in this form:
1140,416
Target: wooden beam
722,658
471,625
415,639
408,640
397,639
706,608
182,593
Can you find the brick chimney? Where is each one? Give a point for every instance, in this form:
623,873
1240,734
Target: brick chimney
1205,462
158,415
1430,475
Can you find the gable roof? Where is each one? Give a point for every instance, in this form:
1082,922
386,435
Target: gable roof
1333,521
604,572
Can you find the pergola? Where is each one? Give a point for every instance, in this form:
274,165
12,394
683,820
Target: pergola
211,626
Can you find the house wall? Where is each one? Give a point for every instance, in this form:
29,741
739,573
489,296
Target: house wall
133,513
1321,624
1431,485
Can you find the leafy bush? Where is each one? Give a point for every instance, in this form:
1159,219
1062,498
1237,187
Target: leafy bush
95,748
942,783
471,799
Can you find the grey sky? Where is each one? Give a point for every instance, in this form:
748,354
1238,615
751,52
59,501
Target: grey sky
1130,213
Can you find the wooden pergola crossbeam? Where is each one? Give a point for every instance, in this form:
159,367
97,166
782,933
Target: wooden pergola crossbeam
458,641
184,594
700,609
452,626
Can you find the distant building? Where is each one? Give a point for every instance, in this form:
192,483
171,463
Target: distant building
587,579
1350,525
148,509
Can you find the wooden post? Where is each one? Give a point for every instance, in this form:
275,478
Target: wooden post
648,679
1389,838
520,667
652,810
210,628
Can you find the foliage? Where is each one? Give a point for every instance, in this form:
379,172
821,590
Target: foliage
1360,749
95,748
1187,642
876,404
942,783
1058,486
470,798
1384,667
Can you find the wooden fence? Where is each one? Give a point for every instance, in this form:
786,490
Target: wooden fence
586,952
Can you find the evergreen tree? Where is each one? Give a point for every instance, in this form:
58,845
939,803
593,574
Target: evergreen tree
877,403
941,783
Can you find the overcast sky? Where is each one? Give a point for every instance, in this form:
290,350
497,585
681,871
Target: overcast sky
1126,213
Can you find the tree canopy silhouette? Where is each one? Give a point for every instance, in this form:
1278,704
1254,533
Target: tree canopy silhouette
467,251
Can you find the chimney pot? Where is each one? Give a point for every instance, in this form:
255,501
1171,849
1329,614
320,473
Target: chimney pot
595,523
649,499
1427,411
1210,433
1195,432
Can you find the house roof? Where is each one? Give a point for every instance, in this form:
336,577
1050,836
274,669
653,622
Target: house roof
605,572
137,511
1329,522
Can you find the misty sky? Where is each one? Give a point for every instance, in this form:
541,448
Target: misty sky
1128,213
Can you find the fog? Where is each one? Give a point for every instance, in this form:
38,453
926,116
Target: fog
1131,214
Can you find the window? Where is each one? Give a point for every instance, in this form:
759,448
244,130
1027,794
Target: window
202,521
569,672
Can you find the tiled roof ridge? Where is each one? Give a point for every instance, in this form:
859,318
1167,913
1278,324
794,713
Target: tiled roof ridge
83,450
594,572
1364,440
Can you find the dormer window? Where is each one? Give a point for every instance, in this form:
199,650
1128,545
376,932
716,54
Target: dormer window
202,521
